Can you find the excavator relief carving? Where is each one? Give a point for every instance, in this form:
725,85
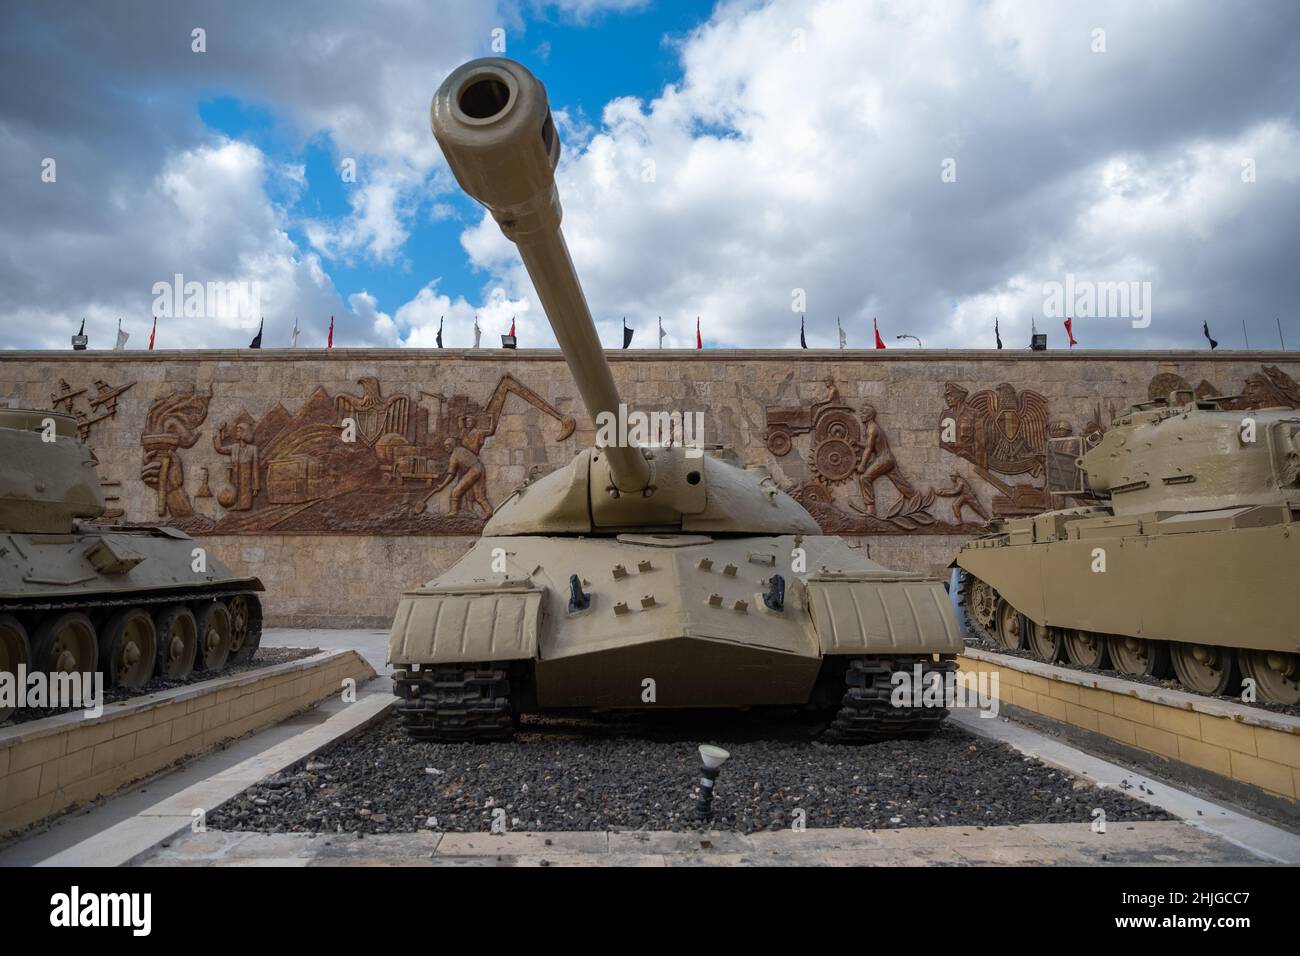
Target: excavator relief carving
365,463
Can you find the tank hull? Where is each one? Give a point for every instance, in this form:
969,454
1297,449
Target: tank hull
671,620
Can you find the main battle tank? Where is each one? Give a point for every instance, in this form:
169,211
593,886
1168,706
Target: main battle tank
640,578
77,597
1190,556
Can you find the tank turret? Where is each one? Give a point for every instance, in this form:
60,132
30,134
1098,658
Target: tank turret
494,125
1196,456
48,478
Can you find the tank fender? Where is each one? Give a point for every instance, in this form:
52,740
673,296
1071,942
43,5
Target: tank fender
882,612
463,624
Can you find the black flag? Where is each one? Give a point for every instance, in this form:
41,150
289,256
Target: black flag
803,342
1205,327
257,339
627,333
440,331
996,333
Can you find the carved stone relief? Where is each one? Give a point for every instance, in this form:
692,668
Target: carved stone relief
348,463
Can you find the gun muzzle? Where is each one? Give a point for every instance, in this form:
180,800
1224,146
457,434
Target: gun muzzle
493,123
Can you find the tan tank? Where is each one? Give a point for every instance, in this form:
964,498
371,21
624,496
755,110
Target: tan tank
636,577
1189,559
76,597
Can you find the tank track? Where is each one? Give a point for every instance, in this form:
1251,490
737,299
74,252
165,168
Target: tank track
867,714
455,704
128,600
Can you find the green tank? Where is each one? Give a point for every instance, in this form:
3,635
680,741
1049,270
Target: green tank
639,577
77,597
1184,557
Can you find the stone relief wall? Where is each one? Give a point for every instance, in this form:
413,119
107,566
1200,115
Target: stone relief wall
397,459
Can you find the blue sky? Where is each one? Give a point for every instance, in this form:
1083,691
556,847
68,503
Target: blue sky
586,64
745,162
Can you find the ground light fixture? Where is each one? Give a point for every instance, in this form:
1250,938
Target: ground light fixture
711,760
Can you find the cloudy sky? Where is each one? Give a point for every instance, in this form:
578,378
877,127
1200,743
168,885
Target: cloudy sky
931,165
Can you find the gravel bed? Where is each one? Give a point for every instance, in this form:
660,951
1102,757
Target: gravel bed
263,657
563,774
1169,683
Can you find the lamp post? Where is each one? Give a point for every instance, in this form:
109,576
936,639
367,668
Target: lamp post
711,760
918,341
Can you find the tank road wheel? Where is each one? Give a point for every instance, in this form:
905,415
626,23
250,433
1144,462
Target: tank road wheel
213,622
1138,657
1008,627
65,643
1086,649
1276,674
128,648
981,602
15,649
178,641
245,626
1205,668
1047,643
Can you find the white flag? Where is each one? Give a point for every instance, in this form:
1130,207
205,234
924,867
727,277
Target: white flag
478,333
843,341
121,337
661,331
293,336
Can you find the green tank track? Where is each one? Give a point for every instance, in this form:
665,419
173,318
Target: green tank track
455,704
867,715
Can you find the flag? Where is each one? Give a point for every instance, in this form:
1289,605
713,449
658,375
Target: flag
1205,327
627,333
880,343
662,333
153,332
843,341
478,333
699,342
803,341
257,339
121,337
1069,330
329,342
440,331
293,336
512,325
996,334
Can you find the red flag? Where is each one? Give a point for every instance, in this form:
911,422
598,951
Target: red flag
329,343
1069,330
880,343
699,342
152,332
512,325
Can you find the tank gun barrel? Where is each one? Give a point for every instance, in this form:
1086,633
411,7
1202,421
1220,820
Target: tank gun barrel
492,120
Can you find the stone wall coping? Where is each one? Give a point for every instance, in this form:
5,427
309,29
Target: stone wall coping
1178,699
61,723
111,356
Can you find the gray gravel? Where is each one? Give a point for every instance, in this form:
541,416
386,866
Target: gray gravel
580,775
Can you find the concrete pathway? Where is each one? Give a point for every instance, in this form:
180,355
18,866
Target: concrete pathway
1073,844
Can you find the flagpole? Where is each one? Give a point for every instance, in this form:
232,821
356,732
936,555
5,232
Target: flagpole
1279,333
1245,334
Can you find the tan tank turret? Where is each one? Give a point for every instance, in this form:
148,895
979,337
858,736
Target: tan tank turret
640,577
1185,552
